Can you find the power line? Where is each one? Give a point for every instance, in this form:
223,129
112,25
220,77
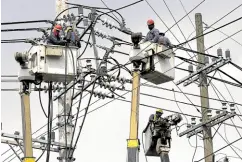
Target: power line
176,23
163,22
109,8
27,22
226,15
185,15
223,34
221,149
224,39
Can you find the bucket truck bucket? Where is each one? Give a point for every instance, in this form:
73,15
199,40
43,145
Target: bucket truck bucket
159,65
48,62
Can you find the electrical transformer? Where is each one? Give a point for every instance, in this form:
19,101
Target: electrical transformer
47,63
157,62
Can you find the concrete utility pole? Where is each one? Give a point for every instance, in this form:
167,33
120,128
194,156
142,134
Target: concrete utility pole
64,105
207,134
93,17
133,141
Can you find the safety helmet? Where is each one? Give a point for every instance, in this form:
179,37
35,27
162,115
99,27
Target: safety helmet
150,22
58,27
159,111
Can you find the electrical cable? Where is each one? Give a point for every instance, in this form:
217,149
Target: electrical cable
83,121
163,22
177,24
144,146
26,22
85,47
49,126
40,101
224,39
194,95
185,16
230,95
109,8
226,137
77,114
228,144
226,15
41,155
179,106
195,150
22,29
98,10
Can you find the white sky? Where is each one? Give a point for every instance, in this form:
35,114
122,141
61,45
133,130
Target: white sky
105,131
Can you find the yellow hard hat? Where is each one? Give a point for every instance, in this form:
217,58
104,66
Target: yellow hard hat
68,28
159,110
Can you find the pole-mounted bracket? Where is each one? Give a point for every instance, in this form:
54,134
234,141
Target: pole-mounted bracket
209,123
207,69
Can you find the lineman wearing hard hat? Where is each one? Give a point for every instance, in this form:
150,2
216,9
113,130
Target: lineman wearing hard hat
55,38
158,126
72,38
164,40
153,34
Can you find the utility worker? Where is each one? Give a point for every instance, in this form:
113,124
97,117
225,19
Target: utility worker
153,34
55,38
160,128
164,40
72,38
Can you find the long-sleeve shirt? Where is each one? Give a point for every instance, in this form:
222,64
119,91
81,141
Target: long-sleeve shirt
164,41
152,35
52,39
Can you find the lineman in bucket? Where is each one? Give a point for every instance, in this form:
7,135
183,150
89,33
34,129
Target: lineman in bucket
160,128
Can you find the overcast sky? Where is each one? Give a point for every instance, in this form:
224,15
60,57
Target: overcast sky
105,131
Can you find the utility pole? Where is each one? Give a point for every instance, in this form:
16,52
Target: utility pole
26,121
64,106
133,141
93,17
207,134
